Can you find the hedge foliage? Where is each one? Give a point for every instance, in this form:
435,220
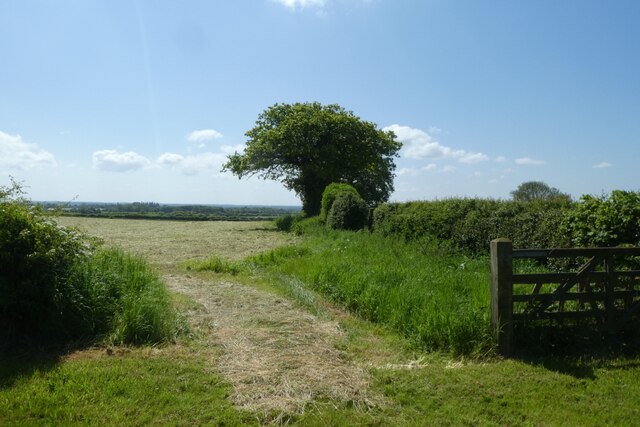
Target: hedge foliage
607,220
348,212
329,196
55,285
471,224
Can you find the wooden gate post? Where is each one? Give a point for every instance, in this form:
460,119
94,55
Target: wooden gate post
502,294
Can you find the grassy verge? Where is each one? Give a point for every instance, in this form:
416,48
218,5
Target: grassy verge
129,301
434,296
129,387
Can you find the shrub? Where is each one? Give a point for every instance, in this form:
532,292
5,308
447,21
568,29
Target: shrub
54,286
348,212
471,224
284,222
605,221
329,196
306,226
37,259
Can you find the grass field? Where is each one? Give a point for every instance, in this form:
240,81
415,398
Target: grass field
265,348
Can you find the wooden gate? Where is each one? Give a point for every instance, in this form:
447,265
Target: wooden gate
604,290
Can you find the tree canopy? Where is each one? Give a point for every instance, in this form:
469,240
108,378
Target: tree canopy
308,146
537,190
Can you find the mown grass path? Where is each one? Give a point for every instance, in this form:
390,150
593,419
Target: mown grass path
277,358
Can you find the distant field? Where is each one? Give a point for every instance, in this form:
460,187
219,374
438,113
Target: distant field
168,243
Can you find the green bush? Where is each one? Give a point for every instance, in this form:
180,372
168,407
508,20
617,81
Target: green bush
606,220
307,226
55,286
348,212
471,224
37,259
284,222
329,196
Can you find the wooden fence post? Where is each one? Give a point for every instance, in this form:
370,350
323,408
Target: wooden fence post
502,294
609,288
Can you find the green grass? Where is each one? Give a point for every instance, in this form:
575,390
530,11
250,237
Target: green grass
178,385
431,294
137,388
129,302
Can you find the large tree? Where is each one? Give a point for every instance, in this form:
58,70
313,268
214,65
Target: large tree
308,146
537,190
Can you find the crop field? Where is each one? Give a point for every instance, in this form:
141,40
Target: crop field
298,333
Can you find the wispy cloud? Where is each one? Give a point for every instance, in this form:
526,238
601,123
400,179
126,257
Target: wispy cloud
193,164
204,135
528,161
302,4
15,154
114,161
418,144
449,169
170,159
602,165
408,172
472,158
500,159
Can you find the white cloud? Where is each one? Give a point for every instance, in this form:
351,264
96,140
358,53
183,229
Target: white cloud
204,135
473,158
418,144
430,166
500,159
114,161
529,161
170,159
17,154
448,169
602,165
408,172
301,4
193,164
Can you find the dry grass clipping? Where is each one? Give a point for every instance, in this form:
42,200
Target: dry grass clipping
277,357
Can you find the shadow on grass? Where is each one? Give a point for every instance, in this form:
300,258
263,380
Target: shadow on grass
578,351
24,361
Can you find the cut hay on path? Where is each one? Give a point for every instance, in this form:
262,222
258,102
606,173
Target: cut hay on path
277,357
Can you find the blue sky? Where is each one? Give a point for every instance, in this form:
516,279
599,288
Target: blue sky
118,100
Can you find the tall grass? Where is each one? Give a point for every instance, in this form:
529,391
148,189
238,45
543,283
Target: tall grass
429,292
128,300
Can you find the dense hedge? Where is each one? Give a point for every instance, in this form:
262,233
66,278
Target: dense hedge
56,286
606,220
348,212
472,223
330,194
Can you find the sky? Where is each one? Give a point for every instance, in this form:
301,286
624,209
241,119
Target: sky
143,100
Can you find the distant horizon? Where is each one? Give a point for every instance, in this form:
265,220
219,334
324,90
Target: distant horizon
80,202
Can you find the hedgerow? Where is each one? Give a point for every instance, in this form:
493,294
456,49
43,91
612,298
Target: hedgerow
607,220
55,285
471,224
